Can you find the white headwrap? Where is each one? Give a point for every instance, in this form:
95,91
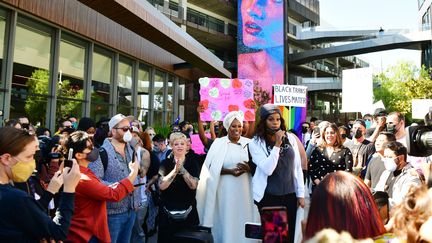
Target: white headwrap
229,118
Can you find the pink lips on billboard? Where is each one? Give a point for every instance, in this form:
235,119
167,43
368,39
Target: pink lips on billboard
252,28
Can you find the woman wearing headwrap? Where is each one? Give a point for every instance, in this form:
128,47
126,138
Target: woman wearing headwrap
224,194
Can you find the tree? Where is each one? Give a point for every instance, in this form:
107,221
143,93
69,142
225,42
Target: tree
36,104
400,84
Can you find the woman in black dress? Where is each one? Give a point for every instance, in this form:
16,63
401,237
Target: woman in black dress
178,180
330,156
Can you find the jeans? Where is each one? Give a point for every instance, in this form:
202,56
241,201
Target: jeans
138,235
120,226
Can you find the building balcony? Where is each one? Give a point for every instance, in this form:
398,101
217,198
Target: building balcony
304,10
225,8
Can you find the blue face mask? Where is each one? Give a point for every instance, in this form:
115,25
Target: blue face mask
368,123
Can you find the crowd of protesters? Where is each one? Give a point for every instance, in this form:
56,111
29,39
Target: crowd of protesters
116,181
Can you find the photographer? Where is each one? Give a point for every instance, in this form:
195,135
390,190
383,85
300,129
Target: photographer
50,156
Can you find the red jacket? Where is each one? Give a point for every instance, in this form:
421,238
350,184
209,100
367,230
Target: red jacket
90,215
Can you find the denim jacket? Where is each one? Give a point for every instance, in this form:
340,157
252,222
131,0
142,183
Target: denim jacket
116,170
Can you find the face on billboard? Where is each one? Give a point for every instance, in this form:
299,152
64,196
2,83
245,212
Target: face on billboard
262,23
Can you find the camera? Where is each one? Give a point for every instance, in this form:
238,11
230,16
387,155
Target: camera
419,140
46,144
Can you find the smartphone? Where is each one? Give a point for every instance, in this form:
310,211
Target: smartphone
133,156
317,130
274,221
68,162
253,231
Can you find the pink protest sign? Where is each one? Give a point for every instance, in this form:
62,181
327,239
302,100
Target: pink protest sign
197,145
219,96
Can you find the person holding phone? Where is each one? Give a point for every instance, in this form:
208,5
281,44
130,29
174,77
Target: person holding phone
90,222
22,219
278,179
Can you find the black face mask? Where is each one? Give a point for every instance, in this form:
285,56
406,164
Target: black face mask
93,155
344,136
391,128
358,134
272,131
38,156
304,129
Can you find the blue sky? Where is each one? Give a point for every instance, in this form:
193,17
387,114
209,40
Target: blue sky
370,14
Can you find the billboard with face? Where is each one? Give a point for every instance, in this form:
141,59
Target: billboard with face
261,45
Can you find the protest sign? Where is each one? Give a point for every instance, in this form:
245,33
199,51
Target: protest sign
290,95
220,96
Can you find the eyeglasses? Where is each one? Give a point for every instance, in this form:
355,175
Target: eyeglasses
125,129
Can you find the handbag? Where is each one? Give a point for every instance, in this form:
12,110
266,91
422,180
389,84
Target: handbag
178,215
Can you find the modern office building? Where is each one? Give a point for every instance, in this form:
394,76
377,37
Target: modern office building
142,57
322,77
214,24
424,21
96,58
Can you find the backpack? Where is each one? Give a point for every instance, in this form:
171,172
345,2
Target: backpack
104,156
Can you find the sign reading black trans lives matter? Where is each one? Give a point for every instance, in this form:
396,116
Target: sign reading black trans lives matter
290,95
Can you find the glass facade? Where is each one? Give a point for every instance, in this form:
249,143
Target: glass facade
170,98
30,72
100,104
124,87
52,68
70,84
159,97
143,96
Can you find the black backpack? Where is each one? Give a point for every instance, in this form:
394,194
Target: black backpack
104,156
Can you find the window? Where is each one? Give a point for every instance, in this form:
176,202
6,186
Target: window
101,84
124,87
30,77
158,102
170,99
70,85
143,93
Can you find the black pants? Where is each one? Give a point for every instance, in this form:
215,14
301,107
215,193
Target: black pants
290,202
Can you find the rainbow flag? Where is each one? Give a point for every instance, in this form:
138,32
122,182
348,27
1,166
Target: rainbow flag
294,116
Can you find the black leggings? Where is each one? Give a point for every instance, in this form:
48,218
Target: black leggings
290,202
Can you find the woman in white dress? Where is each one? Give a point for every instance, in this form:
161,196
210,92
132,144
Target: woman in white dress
224,194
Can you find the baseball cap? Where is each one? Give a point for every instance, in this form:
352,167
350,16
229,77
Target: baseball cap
268,109
117,119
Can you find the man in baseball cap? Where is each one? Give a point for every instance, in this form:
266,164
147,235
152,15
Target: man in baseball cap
111,167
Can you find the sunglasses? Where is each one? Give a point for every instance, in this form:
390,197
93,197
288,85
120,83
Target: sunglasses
125,129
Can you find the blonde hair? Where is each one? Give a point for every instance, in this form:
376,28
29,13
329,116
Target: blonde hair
176,136
409,215
331,235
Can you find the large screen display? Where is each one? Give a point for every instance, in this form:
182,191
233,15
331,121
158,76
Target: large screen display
261,45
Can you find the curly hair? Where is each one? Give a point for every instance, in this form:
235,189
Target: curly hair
409,216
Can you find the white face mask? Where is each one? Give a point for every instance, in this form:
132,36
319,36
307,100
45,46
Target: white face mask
127,137
390,164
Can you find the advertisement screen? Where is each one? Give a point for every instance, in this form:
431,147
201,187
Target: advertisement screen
261,45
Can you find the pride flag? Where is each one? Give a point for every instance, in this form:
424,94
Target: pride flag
294,116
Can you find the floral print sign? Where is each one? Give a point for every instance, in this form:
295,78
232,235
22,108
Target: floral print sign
220,96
